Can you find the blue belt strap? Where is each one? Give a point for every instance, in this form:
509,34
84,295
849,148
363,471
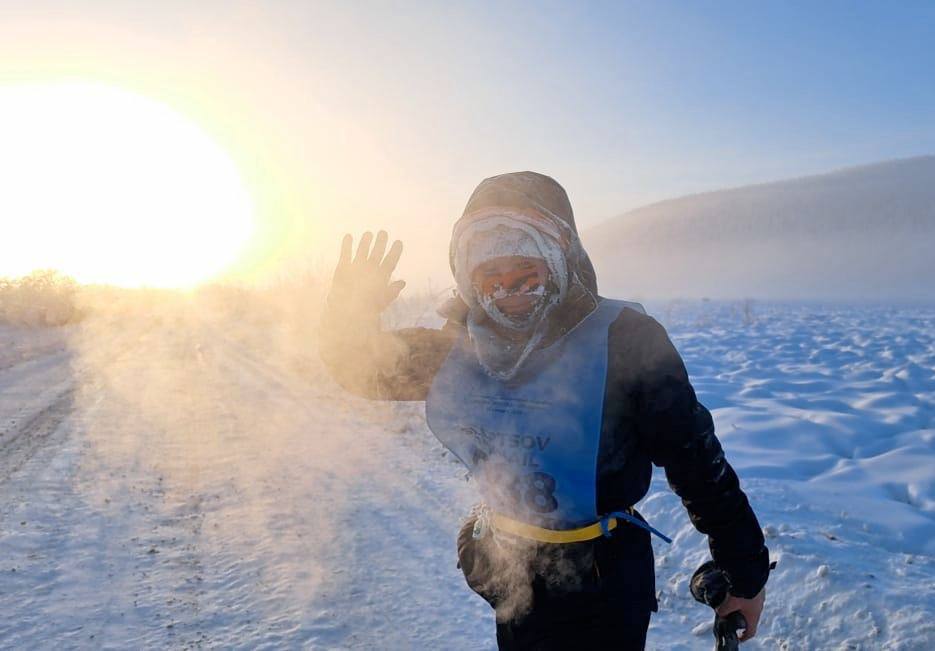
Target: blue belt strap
623,515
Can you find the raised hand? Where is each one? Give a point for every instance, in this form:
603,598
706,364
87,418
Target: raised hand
363,283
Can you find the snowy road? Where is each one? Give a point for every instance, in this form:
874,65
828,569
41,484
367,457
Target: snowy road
179,483
170,488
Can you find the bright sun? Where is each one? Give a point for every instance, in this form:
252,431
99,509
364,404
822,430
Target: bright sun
113,187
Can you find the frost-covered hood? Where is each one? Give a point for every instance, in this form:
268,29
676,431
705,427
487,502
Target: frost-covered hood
539,206
545,204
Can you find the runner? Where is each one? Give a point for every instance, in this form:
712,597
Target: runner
558,401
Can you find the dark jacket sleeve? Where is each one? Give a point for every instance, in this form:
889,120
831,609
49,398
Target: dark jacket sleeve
677,432
378,364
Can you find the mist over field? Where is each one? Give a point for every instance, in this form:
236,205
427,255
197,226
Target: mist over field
861,234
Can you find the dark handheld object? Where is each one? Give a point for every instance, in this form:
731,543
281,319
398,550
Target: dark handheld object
710,586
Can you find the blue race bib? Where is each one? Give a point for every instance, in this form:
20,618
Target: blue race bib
531,442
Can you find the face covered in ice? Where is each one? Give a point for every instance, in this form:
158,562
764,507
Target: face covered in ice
517,215
513,287
515,272
512,274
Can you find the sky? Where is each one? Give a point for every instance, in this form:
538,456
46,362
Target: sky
343,117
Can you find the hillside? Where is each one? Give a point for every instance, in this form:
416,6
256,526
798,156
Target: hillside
863,233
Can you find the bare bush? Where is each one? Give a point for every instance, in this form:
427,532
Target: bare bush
747,311
43,298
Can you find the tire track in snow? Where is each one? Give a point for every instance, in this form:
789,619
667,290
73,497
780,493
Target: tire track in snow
18,446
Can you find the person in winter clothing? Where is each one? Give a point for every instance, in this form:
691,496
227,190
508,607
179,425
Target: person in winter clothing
558,401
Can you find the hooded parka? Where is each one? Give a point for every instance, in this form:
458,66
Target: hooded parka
600,589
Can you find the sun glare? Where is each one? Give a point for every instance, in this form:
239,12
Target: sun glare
113,187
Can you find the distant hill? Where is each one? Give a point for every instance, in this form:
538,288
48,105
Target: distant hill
864,233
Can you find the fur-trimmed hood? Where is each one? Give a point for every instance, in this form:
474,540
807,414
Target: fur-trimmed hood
530,201
545,203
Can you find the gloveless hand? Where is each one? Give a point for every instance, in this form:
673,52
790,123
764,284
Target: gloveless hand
363,283
751,609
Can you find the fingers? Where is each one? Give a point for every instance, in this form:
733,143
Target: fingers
745,607
389,264
394,289
390,293
346,242
752,613
729,605
379,248
363,248
752,617
365,255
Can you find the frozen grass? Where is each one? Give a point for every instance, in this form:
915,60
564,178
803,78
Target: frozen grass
42,298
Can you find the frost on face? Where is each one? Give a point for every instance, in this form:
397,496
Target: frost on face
529,288
528,317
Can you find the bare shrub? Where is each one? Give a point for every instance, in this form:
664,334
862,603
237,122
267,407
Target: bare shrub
747,312
43,298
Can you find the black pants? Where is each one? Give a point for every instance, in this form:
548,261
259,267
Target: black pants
592,595
560,626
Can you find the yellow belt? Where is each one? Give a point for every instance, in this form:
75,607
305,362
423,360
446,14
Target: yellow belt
523,530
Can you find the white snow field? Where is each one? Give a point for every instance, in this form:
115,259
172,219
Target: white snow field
181,482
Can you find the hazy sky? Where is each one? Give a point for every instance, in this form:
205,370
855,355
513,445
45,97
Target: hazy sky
352,115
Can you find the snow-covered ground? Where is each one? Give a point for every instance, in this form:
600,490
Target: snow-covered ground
184,482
